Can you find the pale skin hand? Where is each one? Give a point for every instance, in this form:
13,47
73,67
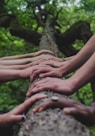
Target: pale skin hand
70,85
55,84
45,71
76,61
51,62
9,74
26,62
27,58
15,115
48,60
81,57
26,55
16,67
86,114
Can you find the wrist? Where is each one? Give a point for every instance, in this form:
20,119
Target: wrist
92,113
3,120
63,69
22,74
74,84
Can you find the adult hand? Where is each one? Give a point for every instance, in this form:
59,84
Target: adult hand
44,61
16,115
55,84
83,113
53,63
29,55
42,51
45,71
44,57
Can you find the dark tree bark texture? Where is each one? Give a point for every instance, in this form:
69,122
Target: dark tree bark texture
52,122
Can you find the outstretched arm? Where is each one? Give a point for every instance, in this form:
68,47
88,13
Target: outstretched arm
70,85
29,60
17,114
63,68
14,74
85,114
80,58
26,55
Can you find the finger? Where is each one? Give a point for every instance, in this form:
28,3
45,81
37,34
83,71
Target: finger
42,81
36,72
31,90
17,118
45,51
47,104
33,75
71,111
37,89
27,103
45,75
49,74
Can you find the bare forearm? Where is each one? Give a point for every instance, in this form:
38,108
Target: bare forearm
15,61
15,67
80,58
19,56
84,74
9,75
26,55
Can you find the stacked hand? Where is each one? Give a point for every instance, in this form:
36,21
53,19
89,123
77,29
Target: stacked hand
16,115
85,114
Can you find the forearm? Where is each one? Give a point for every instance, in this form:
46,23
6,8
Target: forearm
84,74
9,75
80,58
92,111
19,56
15,67
15,61
26,55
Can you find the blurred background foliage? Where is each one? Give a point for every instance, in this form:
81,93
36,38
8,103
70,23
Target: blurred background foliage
71,11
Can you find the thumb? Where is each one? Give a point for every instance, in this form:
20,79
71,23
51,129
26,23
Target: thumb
70,111
18,118
45,75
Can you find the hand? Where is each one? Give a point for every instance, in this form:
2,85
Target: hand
55,84
42,51
16,115
44,57
45,71
50,62
53,63
81,112
25,73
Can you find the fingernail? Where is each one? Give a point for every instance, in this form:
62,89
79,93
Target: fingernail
40,75
27,95
40,109
23,117
66,111
44,95
34,110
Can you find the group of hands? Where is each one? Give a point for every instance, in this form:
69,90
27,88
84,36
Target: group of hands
48,68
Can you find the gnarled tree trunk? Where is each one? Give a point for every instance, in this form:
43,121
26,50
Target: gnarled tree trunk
51,122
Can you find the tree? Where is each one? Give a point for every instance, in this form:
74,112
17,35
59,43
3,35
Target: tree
52,122
26,19
39,12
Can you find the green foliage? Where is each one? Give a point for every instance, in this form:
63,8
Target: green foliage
71,11
13,93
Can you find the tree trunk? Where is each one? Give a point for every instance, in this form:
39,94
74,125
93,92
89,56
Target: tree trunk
51,122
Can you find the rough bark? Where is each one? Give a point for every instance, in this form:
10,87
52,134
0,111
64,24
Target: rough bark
51,122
